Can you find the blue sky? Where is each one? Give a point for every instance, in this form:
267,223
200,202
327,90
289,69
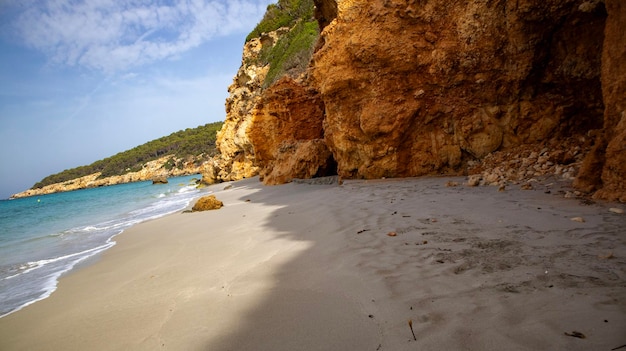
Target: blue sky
84,80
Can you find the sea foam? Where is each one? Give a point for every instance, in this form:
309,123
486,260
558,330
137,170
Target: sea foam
42,240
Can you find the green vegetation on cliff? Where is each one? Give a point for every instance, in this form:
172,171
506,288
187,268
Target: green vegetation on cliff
293,51
184,144
283,14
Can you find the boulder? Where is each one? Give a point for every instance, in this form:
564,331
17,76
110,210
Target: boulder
299,160
159,180
206,203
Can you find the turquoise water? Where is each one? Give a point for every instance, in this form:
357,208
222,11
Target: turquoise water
45,236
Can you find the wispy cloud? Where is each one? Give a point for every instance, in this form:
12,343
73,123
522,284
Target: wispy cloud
117,35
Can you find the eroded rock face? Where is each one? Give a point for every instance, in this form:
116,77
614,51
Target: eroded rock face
237,157
413,88
606,166
287,134
302,159
511,89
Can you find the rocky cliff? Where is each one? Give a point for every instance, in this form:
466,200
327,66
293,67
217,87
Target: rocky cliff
287,134
413,89
237,158
510,89
604,169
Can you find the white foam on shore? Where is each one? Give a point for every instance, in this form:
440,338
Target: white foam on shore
32,288
51,284
31,266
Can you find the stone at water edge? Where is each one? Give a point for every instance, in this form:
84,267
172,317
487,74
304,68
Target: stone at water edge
159,180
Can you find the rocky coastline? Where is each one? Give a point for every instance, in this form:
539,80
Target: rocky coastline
150,171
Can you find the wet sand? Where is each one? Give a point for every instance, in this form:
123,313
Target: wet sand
328,267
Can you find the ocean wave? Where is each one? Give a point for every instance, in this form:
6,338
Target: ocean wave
23,282
102,227
51,284
31,266
105,226
187,188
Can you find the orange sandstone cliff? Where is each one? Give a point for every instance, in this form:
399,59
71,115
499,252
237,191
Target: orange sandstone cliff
510,88
604,168
288,135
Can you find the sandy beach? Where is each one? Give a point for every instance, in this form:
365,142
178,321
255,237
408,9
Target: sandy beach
345,267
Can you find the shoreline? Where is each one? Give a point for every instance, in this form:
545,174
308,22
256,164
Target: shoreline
71,240
94,181
302,266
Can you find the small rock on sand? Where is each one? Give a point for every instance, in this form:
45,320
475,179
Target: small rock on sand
607,256
207,203
578,219
474,180
616,210
527,186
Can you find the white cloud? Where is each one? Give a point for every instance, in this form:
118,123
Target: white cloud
117,35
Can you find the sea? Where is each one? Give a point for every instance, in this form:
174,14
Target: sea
44,237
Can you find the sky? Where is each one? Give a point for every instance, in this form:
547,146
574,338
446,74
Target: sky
81,80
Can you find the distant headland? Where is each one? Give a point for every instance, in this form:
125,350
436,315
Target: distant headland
181,153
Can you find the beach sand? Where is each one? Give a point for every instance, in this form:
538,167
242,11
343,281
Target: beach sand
328,267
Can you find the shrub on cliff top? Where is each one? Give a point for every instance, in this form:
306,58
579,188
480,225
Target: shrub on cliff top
283,14
292,52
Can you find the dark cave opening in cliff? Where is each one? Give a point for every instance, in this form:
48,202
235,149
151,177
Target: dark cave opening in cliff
566,72
328,169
